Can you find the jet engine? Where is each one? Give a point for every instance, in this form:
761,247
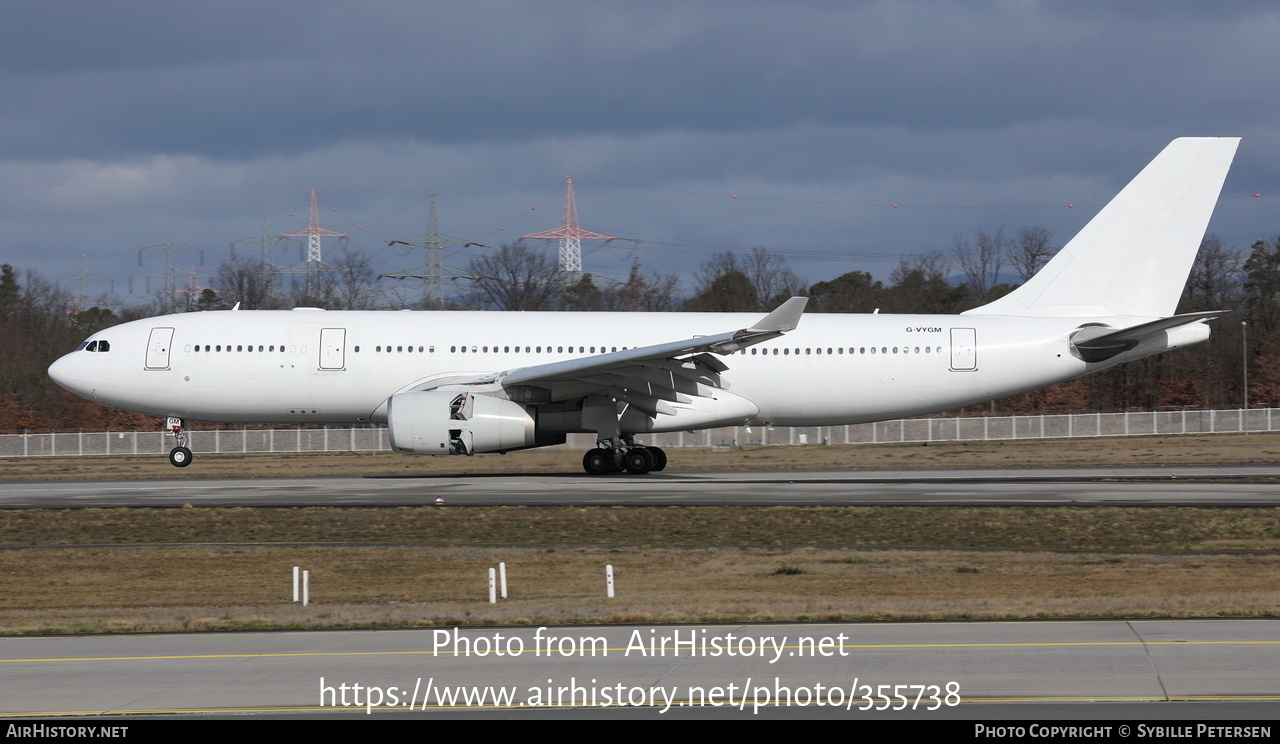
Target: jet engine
450,423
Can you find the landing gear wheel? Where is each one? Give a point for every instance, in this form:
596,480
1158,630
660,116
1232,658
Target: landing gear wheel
180,457
659,459
638,461
597,461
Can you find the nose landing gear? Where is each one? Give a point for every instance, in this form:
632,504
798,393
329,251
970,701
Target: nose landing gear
179,456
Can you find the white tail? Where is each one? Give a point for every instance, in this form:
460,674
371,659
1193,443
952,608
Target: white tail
1133,257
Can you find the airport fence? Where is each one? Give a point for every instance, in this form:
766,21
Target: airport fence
960,429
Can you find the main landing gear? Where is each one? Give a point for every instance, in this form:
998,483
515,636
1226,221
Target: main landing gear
179,456
618,454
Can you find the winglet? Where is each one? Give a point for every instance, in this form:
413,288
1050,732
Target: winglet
785,318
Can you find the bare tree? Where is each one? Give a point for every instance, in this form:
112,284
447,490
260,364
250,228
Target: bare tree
981,261
249,283
515,277
1030,251
640,293
352,282
758,280
771,276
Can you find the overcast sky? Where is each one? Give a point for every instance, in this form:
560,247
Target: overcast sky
119,119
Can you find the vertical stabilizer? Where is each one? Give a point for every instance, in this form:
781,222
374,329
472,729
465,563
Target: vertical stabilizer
1133,257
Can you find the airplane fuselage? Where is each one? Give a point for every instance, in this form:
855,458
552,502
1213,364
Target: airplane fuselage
315,366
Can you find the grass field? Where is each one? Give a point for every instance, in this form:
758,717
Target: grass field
207,569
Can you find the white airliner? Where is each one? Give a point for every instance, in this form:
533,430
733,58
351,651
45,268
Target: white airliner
459,383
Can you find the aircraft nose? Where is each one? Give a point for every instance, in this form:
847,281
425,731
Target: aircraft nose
63,372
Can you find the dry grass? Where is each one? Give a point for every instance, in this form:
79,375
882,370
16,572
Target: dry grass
187,588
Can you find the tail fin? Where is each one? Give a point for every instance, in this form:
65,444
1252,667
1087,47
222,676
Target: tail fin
1133,257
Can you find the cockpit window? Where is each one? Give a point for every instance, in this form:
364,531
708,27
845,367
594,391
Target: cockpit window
93,346
104,345
82,345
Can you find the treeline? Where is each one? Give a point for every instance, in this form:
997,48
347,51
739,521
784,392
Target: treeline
39,321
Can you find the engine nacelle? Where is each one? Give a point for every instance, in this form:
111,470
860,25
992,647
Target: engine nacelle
443,423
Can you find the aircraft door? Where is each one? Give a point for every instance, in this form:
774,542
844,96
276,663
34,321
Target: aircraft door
333,348
964,349
158,346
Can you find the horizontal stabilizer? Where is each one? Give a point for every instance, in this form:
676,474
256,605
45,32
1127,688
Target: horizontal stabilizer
1100,343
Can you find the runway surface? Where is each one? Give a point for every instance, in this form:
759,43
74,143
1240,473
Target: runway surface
920,670
1218,485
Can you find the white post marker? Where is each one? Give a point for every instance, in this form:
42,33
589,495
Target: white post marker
502,577
306,587
493,591
295,583
608,580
